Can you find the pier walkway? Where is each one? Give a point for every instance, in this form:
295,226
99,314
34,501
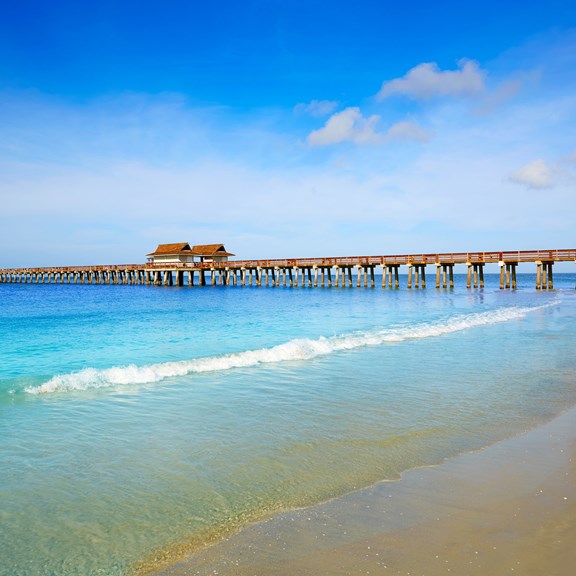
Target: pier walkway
313,272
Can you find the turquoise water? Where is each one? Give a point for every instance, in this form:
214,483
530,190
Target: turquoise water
137,420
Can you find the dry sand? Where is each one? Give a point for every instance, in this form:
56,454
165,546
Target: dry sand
508,509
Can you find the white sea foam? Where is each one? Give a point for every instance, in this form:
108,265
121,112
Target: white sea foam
294,350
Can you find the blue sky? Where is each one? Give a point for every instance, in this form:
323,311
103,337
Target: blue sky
285,128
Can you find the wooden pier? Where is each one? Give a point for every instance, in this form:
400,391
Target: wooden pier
311,272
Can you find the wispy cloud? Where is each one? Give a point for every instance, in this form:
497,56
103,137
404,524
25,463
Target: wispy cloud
406,130
503,93
426,81
317,108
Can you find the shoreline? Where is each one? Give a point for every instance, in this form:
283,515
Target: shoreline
507,508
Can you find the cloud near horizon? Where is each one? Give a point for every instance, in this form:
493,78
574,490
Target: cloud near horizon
426,81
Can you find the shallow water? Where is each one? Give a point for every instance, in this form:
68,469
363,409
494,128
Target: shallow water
134,418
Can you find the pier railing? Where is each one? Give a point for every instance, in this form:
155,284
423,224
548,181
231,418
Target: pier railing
401,259
563,255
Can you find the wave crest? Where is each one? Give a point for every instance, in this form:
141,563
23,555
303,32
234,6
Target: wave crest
298,349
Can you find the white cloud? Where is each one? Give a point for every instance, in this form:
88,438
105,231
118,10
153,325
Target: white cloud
427,81
536,174
351,126
317,108
407,131
504,92
346,126
100,182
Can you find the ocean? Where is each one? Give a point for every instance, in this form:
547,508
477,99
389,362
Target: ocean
137,422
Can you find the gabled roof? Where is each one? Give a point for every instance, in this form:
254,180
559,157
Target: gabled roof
171,249
210,250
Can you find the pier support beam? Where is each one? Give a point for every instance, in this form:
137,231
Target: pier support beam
365,270
421,275
475,270
508,275
544,278
393,275
417,273
444,275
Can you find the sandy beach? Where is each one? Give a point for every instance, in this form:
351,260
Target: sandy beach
507,509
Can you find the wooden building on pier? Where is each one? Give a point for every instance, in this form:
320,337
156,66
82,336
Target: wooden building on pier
211,253
182,253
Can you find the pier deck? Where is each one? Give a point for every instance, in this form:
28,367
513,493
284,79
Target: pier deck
312,272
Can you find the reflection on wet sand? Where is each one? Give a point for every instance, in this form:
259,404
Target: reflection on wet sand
509,509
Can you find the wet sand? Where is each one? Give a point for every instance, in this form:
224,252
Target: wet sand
508,509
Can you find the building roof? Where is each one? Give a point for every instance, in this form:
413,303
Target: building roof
171,249
210,250
184,248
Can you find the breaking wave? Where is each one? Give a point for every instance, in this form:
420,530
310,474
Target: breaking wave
294,350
